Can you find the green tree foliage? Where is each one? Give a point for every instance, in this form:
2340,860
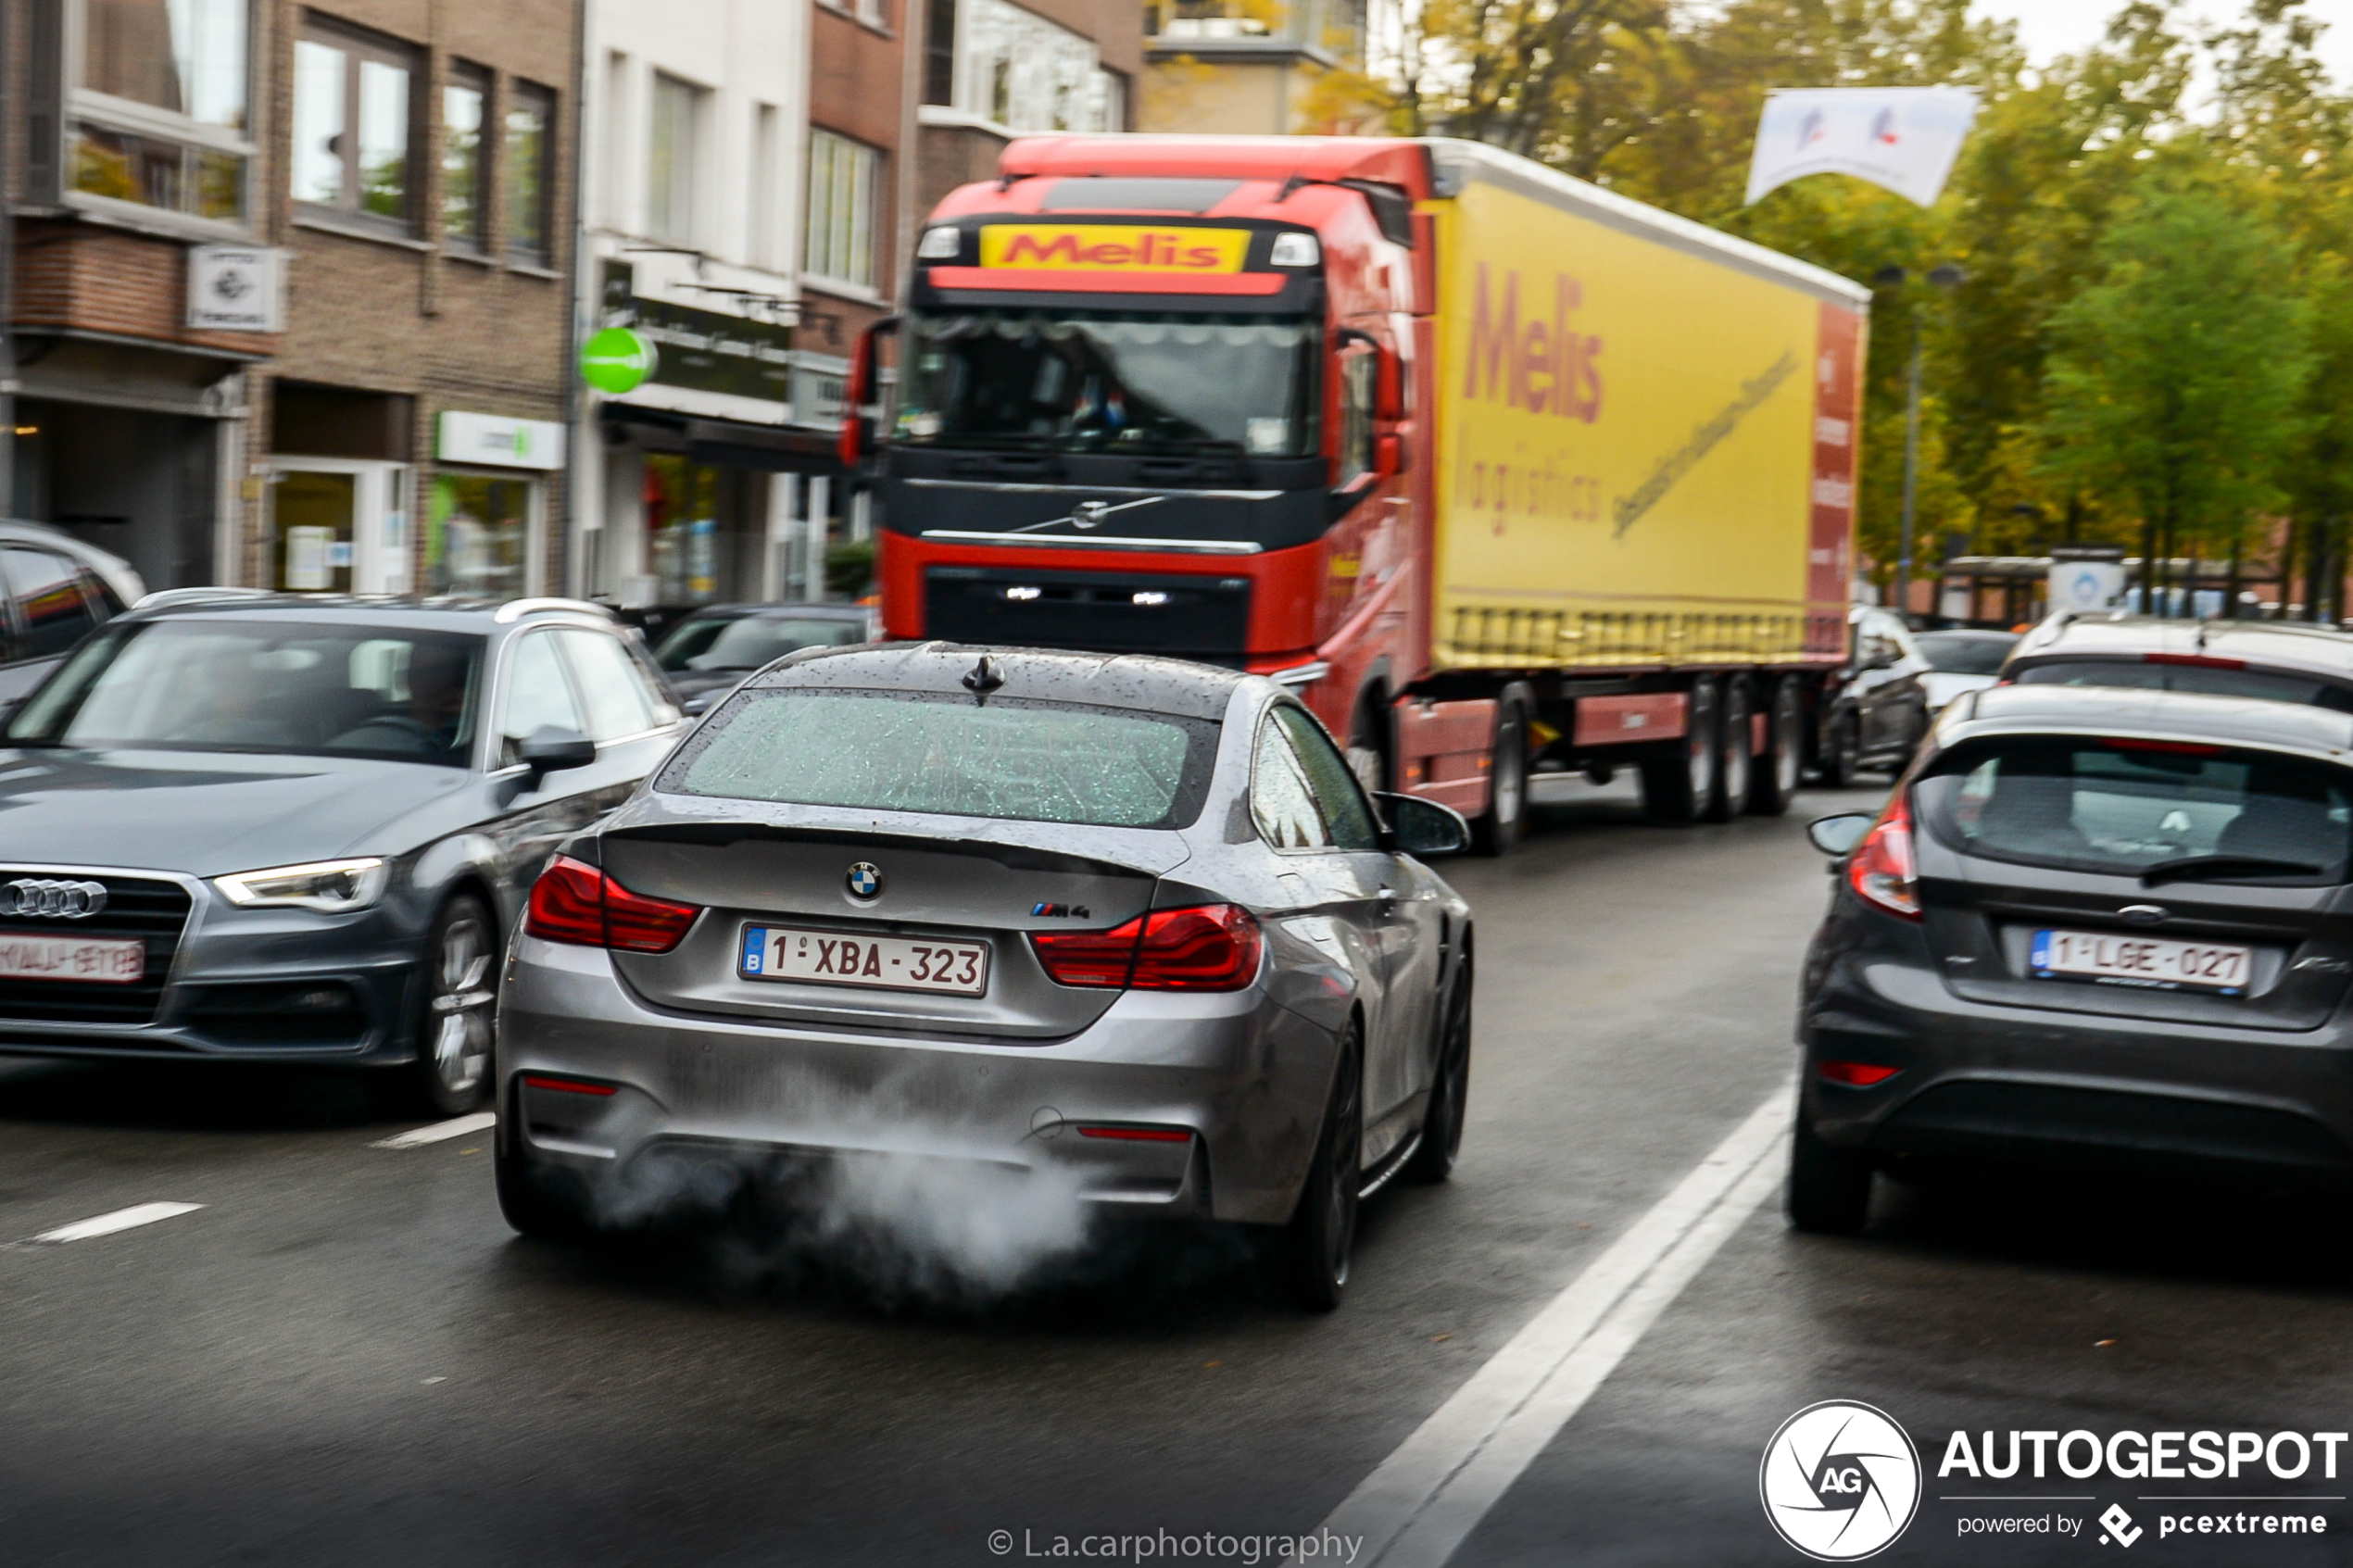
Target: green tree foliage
1661,102
2176,378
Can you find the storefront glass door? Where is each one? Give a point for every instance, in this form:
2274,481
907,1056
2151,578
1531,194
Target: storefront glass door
478,535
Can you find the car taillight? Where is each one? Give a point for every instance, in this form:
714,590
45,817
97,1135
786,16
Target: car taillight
1880,871
1855,1075
574,902
1212,947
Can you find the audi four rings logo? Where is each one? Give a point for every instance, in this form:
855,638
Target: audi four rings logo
1839,1480
51,899
864,880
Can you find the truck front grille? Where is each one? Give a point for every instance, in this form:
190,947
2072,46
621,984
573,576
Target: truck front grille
1186,616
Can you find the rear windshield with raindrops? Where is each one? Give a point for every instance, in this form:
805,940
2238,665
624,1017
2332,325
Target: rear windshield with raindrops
916,751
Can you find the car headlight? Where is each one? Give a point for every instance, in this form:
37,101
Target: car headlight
331,885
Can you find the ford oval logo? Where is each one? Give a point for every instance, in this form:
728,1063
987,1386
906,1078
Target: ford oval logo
864,880
53,899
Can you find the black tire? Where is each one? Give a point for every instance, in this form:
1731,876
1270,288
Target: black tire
1367,748
1501,826
456,1007
528,1201
1450,1094
1781,769
1315,1245
1829,1189
1843,757
1680,779
1729,797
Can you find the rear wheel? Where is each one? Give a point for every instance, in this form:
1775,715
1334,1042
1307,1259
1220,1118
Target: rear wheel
1829,1189
1450,1092
1315,1245
455,1011
1778,770
1680,781
1735,740
1506,816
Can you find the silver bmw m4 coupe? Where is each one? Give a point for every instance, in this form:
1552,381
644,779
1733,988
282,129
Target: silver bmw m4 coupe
1123,927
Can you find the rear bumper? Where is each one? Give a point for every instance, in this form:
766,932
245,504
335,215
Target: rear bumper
1245,1078
2016,1083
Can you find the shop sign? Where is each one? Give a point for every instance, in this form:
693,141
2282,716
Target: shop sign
237,289
819,390
489,439
699,350
617,360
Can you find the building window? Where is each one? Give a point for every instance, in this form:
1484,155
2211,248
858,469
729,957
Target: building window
1026,73
160,113
843,179
478,535
669,167
464,171
529,146
352,125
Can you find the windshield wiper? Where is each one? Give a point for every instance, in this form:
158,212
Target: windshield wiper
2215,868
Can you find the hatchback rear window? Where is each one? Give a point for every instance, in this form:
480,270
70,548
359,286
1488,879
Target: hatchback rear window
2140,808
916,751
2206,680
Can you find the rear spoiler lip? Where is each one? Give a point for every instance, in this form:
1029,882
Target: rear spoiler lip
1012,857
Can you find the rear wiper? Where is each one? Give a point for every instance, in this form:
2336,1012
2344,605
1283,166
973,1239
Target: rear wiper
2213,868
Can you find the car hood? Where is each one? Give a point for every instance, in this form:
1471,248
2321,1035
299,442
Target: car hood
204,813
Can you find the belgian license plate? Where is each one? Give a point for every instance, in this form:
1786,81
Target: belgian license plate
894,963
2156,962
72,958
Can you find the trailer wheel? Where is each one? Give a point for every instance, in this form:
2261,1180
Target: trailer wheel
1778,772
1679,780
1506,816
1733,754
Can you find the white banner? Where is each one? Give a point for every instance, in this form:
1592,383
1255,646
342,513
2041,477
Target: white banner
2086,584
1902,138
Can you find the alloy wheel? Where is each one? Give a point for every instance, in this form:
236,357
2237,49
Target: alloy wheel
459,1011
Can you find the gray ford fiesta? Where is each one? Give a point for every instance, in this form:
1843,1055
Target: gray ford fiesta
1125,924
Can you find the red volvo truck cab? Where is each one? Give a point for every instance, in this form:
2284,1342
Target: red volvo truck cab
1337,411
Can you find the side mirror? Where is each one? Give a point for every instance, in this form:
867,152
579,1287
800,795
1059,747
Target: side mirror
553,749
1424,827
857,424
1388,386
1840,834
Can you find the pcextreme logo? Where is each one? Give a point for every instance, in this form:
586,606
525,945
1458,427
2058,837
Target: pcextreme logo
1840,1481
1113,248
1543,367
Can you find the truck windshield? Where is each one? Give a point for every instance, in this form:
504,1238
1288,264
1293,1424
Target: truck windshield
1111,381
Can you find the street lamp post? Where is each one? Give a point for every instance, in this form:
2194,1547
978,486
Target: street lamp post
1947,276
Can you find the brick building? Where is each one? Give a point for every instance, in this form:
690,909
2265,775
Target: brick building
416,410
128,144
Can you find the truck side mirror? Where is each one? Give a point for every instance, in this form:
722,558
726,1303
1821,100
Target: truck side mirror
856,422
1389,387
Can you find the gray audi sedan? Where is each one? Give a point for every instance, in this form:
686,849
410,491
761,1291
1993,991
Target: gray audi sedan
2093,924
1124,926
298,828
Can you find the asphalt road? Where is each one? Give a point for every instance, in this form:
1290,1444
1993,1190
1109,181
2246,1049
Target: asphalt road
345,1356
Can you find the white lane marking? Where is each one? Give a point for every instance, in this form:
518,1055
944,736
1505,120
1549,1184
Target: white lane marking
106,1225
1427,1496
416,1137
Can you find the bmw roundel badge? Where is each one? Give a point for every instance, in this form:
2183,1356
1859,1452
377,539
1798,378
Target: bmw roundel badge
864,880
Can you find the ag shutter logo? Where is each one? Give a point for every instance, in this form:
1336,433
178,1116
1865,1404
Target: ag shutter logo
1840,1481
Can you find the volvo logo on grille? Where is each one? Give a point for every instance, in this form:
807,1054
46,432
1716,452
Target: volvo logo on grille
864,880
53,899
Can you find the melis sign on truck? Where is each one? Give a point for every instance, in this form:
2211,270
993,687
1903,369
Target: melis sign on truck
1106,247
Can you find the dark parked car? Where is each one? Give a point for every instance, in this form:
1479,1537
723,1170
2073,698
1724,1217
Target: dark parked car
1875,709
2277,660
58,591
299,829
2092,923
707,653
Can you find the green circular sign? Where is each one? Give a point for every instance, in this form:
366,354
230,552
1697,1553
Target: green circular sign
617,360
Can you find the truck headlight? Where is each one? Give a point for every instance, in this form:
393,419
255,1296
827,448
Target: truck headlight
330,885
